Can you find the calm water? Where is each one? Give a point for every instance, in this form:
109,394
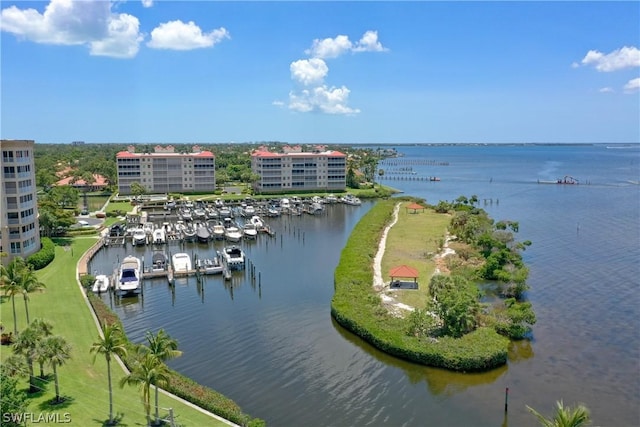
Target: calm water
271,345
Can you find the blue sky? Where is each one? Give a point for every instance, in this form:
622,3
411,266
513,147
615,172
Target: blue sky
320,72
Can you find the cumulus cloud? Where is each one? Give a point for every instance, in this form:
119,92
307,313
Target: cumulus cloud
147,3
329,48
66,22
605,90
309,71
625,57
369,43
322,99
315,95
178,35
334,47
632,85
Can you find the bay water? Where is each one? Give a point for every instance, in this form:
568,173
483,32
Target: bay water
268,341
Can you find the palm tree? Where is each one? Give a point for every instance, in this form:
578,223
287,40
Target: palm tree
111,342
564,416
26,345
11,277
29,283
164,348
147,370
58,351
43,329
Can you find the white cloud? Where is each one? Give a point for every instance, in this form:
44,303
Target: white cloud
147,3
329,48
369,43
632,85
624,57
178,35
123,41
67,22
605,90
322,99
309,71
332,48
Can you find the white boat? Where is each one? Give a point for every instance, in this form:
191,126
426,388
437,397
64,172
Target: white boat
315,208
249,210
232,234
233,257
256,221
181,262
218,231
218,203
272,211
249,231
199,213
159,236
210,265
189,233
285,203
331,198
352,200
139,236
159,261
101,283
203,234
129,275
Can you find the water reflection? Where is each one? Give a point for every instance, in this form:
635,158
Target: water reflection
439,381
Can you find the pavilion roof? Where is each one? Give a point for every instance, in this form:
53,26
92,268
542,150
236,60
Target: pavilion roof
403,271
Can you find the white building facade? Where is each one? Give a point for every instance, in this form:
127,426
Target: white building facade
298,171
165,171
19,228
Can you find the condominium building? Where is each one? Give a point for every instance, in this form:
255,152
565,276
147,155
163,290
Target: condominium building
19,229
297,170
166,171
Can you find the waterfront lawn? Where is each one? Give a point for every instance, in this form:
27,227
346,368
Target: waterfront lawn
82,383
357,307
414,241
119,206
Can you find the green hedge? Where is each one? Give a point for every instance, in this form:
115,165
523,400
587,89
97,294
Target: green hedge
185,387
356,306
44,256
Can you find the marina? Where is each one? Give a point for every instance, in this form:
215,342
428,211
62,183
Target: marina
266,336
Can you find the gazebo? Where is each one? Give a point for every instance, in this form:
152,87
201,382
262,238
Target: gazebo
403,272
414,206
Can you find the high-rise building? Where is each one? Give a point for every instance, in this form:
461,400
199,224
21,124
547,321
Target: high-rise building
19,229
298,170
165,171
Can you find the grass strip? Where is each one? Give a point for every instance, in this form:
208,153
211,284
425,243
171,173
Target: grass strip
82,382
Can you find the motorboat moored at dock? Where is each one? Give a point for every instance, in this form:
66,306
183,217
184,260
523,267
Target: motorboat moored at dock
129,276
101,283
181,263
233,257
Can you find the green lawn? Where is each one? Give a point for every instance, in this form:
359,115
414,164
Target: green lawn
413,241
82,381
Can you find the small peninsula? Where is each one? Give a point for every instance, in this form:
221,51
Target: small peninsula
435,317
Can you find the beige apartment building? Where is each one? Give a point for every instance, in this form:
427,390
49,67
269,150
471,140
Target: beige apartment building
296,170
166,171
19,228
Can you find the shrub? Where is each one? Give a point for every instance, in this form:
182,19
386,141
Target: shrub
44,256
